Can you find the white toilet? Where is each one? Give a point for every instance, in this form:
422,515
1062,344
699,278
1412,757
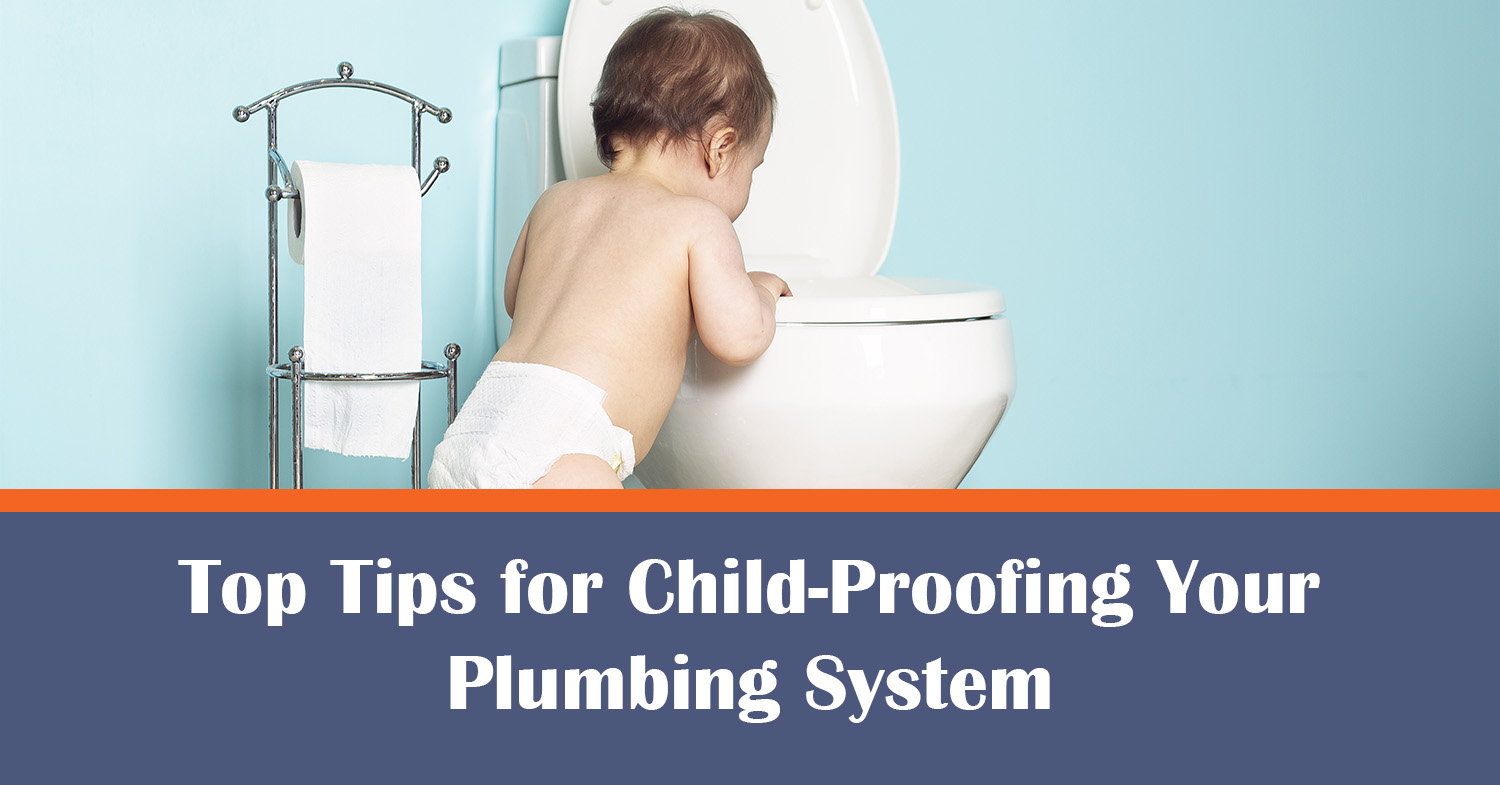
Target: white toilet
872,381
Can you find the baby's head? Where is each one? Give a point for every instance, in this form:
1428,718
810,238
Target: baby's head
679,78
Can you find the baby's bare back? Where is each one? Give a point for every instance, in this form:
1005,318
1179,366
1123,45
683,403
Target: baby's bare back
603,293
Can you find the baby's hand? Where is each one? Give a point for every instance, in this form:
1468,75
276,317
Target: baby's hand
771,283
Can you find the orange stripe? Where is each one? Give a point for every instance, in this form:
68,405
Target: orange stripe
89,500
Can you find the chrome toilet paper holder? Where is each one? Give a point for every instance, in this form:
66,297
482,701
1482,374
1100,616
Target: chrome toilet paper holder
294,369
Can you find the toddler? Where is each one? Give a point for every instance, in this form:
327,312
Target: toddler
612,274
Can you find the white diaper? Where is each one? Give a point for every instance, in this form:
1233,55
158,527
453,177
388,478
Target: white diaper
519,420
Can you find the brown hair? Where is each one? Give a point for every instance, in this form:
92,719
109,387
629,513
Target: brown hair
671,74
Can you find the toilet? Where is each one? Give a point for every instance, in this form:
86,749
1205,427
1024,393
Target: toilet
872,381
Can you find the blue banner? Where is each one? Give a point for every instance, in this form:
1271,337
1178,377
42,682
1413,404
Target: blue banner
885,648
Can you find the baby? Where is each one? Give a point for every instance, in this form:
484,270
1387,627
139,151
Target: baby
612,274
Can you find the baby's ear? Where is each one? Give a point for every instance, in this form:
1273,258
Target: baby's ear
718,153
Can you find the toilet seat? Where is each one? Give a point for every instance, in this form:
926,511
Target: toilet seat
880,299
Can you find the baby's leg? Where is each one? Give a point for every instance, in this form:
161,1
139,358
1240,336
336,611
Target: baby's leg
576,470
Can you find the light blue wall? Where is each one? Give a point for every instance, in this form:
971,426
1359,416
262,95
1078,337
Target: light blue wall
1244,244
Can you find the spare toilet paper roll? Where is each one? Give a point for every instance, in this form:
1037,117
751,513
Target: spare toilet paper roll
358,231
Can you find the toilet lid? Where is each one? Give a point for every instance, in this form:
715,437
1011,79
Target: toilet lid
878,298
824,201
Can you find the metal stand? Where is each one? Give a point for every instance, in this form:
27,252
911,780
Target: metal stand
293,369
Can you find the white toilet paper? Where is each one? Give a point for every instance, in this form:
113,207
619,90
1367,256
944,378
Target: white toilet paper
358,231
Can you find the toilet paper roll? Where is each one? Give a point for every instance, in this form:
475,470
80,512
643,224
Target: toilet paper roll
358,231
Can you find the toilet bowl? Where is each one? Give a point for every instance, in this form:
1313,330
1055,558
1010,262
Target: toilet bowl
872,381
840,405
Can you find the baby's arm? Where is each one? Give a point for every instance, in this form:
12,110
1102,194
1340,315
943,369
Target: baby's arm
513,271
735,314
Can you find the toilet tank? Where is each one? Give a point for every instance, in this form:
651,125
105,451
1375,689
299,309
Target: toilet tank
528,159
